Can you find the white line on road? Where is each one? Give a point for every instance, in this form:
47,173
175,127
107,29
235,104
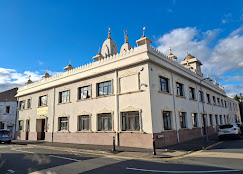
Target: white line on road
159,171
22,151
11,171
64,158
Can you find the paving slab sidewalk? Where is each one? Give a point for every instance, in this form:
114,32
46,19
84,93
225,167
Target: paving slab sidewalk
166,152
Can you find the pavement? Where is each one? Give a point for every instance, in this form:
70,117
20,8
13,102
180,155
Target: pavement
173,151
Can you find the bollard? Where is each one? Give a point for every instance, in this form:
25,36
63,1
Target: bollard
114,147
154,151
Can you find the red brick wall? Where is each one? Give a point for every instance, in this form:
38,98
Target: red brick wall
189,134
169,138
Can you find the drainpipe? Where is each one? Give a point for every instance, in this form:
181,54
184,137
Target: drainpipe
117,107
53,116
177,131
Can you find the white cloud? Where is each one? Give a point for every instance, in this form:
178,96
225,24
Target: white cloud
227,18
232,90
10,78
226,55
40,62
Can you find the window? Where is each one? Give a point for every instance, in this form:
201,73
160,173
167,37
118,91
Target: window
225,119
211,119
130,121
1,125
179,87
192,93
63,124
183,119
104,122
164,84
194,120
21,105
64,97
43,100
7,109
21,125
83,121
216,119
222,103
225,104
201,97
214,100
208,98
167,120
84,92
221,119
218,101
29,103
104,88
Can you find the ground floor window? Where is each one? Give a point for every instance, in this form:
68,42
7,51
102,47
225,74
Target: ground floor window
167,120
104,122
216,119
221,119
194,120
1,125
183,119
83,121
130,121
21,125
210,119
63,124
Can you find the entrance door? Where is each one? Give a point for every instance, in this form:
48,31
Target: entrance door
40,129
27,129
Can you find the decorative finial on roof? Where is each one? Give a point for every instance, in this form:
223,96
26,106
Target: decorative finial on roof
144,31
29,81
169,50
125,35
69,66
70,61
46,75
109,33
99,51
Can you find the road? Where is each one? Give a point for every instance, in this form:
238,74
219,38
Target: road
226,157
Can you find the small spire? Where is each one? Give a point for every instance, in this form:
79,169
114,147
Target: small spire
99,51
126,40
169,50
109,33
125,35
144,31
70,61
47,70
29,81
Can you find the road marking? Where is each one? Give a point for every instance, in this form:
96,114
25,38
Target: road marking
159,171
199,151
11,171
65,158
22,151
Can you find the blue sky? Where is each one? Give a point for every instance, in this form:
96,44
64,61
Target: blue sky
40,34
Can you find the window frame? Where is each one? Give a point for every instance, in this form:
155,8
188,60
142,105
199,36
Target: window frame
98,88
40,101
29,102
105,117
60,124
193,96
88,117
127,123
208,98
181,120
170,122
21,126
214,100
167,84
67,98
211,119
88,92
194,119
5,110
20,106
201,96
180,89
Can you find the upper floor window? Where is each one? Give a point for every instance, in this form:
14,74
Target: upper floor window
218,101
167,120
21,105
84,92
64,96
192,93
29,103
201,96
130,121
214,100
208,98
43,100
183,119
179,87
222,103
7,110
104,88
164,84
225,104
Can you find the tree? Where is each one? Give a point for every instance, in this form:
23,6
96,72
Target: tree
237,98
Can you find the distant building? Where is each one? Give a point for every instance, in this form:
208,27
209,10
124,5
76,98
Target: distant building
133,95
8,110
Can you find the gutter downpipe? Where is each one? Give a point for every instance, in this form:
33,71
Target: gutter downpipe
177,131
53,116
117,108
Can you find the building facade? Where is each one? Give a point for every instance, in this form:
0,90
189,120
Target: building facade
8,110
134,95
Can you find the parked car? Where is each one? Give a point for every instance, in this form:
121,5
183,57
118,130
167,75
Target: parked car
229,130
5,136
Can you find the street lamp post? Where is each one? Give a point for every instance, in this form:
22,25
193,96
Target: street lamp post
204,119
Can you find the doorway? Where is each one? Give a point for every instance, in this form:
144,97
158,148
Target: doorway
27,129
40,128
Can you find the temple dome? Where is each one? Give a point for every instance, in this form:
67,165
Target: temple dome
109,47
126,46
189,56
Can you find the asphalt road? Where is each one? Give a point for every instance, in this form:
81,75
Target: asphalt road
226,157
